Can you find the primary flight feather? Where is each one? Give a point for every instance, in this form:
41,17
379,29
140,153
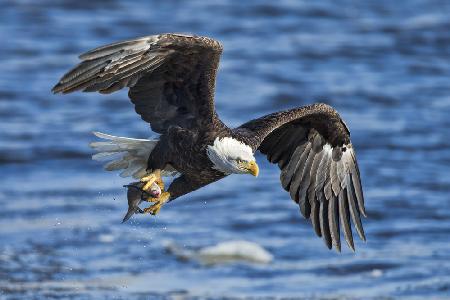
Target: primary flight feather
171,80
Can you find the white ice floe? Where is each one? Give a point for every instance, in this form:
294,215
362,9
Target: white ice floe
106,238
224,252
376,273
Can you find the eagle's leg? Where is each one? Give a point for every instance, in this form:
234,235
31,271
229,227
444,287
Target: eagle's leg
180,186
154,177
157,161
155,208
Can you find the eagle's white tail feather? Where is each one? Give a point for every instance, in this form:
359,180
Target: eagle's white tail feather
116,165
127,154
101,156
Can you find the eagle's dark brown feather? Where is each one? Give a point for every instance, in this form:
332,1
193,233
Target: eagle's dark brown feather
312,147
171,78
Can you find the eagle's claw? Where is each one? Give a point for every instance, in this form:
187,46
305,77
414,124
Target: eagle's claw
155,208
154,177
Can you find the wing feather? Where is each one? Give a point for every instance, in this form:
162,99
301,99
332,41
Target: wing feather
288,171
276,151
298,172
345,219
335,184
323,187
171,78
324,225
315,217
316,144
357,184
304,184
354,209
318,167
140,44
314,171
291,142
333,221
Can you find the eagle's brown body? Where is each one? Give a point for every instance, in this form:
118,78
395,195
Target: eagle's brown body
171,80
185,150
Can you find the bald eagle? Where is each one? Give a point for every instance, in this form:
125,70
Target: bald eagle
171,80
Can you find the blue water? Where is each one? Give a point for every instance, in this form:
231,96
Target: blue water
384,65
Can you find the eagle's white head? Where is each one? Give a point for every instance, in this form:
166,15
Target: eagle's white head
231,156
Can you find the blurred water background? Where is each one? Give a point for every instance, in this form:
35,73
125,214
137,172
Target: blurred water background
385,66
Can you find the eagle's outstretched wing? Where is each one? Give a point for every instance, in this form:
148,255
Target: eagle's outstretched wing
318,166
171,78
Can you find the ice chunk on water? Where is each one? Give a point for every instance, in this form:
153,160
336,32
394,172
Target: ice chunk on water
235,250
229,251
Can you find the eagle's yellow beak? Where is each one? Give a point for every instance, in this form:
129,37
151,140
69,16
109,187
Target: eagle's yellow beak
252,168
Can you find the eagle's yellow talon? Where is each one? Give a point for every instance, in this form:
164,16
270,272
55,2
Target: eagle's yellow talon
154,209
149,180
153,177
151,199
148,185
159,202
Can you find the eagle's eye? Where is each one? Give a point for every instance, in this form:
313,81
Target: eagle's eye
239,161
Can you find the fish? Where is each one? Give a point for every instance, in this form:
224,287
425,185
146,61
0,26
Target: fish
136,195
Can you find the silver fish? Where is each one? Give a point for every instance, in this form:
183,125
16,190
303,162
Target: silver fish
136,195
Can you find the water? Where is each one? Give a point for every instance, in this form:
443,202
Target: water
384,65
